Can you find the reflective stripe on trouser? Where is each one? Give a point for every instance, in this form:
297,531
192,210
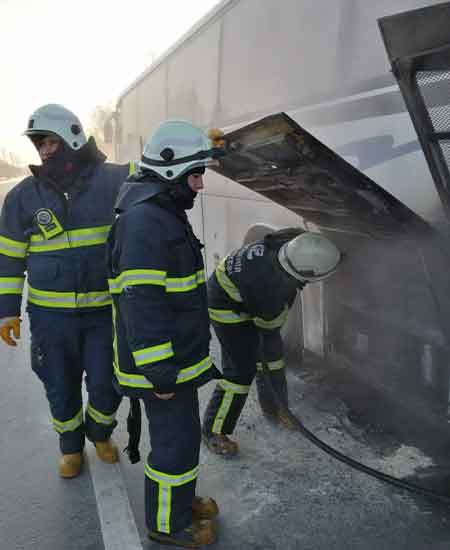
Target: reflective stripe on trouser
224,409
228,316
64,346
239,346
65,426
172,466
230,392
240,354
97,421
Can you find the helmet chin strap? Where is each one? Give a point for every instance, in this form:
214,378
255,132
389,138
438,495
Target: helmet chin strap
287,277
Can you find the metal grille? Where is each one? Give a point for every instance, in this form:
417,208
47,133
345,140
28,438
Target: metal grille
445,148
434,87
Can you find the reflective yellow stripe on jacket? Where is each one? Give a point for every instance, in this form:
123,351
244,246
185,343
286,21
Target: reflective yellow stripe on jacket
72,300
228,317
11,285
226,283
136,277
12,248
139,381
184,284
76,238
153,354
275,323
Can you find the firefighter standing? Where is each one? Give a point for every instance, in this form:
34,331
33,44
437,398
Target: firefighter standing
161,324
54,226
250,294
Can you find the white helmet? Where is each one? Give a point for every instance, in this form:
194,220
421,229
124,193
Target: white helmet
176,147
309,257
56,119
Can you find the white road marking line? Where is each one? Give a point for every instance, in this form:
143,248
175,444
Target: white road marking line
117,523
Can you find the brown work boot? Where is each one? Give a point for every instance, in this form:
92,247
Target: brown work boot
200,533
70,465
107,451
221,444
204,508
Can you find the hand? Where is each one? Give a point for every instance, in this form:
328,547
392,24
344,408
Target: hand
164,396
217,137
7,325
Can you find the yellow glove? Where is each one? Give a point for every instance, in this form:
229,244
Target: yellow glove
7,325
217,137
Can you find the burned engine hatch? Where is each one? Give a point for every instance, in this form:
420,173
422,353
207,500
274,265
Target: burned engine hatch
283,162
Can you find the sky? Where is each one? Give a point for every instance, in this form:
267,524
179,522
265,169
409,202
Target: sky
79,53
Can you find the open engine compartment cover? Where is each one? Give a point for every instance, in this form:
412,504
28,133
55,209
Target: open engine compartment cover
279,159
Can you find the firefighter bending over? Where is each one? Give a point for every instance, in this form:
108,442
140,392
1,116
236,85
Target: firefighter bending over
161,325
54,225
251,292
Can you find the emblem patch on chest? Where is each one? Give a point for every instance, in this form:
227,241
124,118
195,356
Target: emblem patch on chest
48,223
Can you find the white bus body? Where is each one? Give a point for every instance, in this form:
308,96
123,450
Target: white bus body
323,63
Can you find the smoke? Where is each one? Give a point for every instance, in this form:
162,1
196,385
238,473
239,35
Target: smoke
388,314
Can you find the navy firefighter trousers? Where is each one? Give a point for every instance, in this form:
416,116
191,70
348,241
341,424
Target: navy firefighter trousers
63,347
172,465
241,361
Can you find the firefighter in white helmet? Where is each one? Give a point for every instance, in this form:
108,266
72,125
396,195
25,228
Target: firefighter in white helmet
54,226
250,293
157,281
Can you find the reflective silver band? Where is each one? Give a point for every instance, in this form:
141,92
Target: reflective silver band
171,479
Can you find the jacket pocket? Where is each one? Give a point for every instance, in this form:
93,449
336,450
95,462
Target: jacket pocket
42,270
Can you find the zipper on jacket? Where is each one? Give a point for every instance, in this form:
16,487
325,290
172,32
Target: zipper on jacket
67,210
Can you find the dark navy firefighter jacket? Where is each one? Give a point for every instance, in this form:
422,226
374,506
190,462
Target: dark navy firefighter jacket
59,240
157,281
248,286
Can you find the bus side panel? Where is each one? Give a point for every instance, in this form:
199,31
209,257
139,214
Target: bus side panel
193,78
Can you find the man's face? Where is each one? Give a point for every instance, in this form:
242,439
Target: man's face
195,182
47,146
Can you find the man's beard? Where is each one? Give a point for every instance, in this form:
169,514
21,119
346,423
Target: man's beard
61,167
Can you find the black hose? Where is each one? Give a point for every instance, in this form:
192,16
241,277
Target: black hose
411,487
